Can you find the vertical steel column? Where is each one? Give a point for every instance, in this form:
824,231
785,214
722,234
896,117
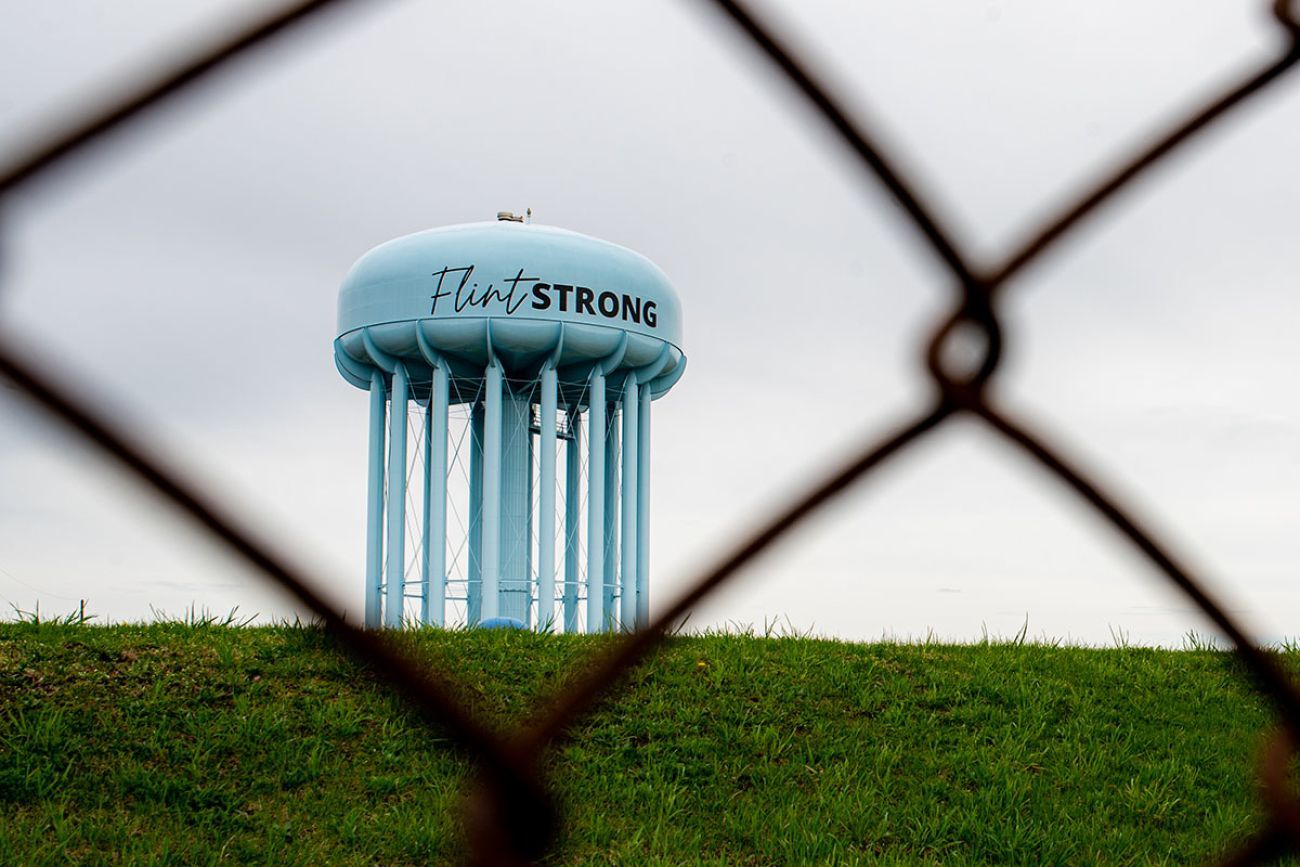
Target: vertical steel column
434,605
426,488
610,583
643,512
474,574
375,502
530,519
491,595
631,403
395,577
596,502
546,501
515,564
572,518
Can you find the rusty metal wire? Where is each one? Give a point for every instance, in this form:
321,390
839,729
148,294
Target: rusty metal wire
511,818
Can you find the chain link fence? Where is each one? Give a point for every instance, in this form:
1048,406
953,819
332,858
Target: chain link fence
511,818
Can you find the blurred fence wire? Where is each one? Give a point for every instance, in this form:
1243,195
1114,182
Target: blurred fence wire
511,818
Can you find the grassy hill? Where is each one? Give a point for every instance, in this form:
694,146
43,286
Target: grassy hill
198,744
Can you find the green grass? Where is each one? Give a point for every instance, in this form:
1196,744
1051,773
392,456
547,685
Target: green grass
204,743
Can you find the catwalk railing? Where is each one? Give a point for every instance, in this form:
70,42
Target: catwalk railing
511,817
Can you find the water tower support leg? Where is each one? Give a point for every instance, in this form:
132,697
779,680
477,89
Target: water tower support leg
530,522
627,615
375,502
546,502
643,513
491,596
394,604
426,487
515,564
610,583
572,519
474,574
435,494
596,502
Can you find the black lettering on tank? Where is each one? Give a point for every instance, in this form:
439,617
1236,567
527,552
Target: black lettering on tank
490,294
515,301
438,290
541,296
608,303
564,289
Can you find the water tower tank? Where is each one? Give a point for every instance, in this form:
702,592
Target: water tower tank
520,361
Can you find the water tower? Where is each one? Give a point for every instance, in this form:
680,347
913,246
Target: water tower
518,362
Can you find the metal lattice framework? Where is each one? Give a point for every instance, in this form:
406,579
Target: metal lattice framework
512,818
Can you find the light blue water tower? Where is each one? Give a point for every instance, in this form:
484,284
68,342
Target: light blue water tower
502,351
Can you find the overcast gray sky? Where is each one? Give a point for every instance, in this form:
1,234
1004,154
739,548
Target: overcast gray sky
188,272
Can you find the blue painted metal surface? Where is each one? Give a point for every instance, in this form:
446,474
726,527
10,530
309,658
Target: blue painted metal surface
490,603
515,587
435,524
474,573
530,328
612,506
628,506
572,519
503,623
375,501
547,408
395,567
643,511
596,452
